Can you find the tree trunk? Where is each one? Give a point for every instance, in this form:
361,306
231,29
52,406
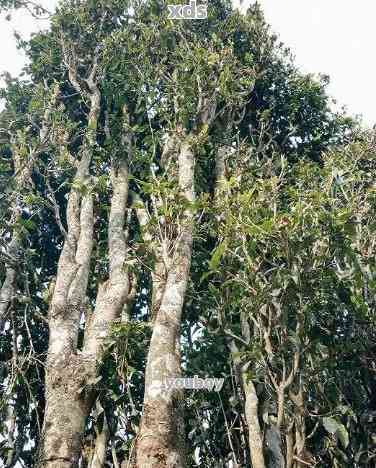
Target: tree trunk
251,410
71,374
276,458
290,447
67,404
7,290
255,436
23,172
101,441
161,440
300,427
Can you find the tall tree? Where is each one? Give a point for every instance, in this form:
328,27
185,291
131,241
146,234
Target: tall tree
175,168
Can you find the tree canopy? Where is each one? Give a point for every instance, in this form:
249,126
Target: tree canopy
179,200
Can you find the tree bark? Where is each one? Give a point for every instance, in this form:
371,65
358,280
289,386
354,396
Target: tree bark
161,440
66,404
276,458
7,290
300,427
101,441
255,438
251,411
70,373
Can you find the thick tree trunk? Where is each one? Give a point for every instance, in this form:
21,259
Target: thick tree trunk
70,374
276,458
67,373
289,447
161,440
300,427
68,401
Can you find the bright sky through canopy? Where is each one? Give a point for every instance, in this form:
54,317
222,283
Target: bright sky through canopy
333,37
336,38
11,59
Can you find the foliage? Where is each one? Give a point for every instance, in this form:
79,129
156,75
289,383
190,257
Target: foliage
284,257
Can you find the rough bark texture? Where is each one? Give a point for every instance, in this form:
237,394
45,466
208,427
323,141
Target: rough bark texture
289,448
161,440
301,458
113,294
70,373
66,402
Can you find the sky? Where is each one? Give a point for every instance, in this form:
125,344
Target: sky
11,59
333,37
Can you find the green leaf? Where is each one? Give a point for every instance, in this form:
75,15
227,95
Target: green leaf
217,255
343,435
330,424
334,427
205,275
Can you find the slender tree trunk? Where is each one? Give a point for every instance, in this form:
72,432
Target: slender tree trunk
300,428
8,287
251,411
251,406
101,441
11,422
255,437
161,440
23,172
